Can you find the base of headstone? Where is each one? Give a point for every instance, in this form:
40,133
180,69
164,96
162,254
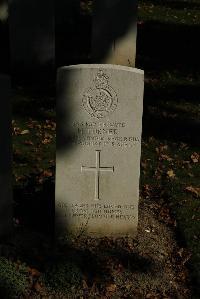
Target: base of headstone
99,125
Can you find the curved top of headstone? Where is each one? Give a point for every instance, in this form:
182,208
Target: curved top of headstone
102,66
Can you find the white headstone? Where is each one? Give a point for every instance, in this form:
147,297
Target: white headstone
5,156
99,110
114,32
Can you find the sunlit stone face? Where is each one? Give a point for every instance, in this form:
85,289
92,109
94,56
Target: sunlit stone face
99,143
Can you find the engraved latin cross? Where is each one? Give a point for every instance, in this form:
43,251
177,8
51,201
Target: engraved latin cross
97,170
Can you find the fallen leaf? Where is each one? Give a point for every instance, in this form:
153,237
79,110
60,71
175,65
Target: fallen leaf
34,272
190,175
195,157
163,147
46,141
180,252
37,287
16,131
24,132
165,157
19,178
183,146
171,173
47,173
85,286
144,164
111,288
28,142
194,190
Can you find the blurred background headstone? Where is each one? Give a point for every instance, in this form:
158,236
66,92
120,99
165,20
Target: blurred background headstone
114,32
32,41
73,32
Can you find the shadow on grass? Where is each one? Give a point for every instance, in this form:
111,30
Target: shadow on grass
172,92
168,46
34,104
166,114
131,260
165,127
35,208
4,292
36,245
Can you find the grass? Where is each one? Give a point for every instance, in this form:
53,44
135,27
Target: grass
13,279
173,12
172,99
33,137
162,157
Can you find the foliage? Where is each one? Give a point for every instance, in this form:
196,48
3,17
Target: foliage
13,279
63,276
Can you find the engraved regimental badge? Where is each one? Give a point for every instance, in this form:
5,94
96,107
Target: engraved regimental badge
100,99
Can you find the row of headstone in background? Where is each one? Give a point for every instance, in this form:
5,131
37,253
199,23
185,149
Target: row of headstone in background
114,32
32,41
43,36
71,33
112,37
99,126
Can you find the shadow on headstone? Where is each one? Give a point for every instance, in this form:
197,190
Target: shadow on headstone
63,114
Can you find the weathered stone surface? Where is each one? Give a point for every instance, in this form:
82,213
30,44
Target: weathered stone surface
99,111
114,32
5,156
